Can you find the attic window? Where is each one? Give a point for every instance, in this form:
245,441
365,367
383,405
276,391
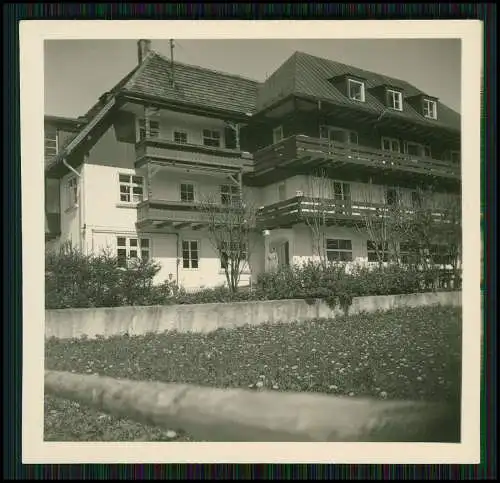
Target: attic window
430,109
394,100
356,90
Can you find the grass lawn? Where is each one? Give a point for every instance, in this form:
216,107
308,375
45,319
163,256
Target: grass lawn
401,354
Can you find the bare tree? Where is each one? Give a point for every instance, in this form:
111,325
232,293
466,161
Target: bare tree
231,223
385,225
316,209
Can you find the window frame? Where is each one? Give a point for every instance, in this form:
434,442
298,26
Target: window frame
399,196
232,194
146,129
187,183
190,251
131,185
391,140
431,114
243,261
373,251
362,90
211,137
180,131
280,135
338,250
128,248
391,96
343,185
347,134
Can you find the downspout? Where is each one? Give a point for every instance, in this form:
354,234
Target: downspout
81,228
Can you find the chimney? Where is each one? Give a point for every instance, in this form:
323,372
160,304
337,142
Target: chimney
143,48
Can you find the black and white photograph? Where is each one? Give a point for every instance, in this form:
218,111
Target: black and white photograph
256,240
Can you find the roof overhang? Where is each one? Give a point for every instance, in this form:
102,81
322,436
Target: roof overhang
184,107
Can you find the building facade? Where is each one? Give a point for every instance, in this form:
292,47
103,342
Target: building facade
128,176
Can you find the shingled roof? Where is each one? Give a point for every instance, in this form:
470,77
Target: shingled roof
193,85
308,76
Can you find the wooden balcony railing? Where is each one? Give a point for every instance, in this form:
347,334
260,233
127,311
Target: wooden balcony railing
305,151
191,154
300,209
178,214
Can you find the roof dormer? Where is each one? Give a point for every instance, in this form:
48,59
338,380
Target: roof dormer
351,85
391,96
425,105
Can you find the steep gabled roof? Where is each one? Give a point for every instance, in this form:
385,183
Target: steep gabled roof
196,86
193,85
311,76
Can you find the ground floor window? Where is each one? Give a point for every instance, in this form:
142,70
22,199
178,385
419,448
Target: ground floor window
226,254
132,249
339,250
377,251
190,254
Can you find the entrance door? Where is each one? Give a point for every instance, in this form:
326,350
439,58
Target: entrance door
284,254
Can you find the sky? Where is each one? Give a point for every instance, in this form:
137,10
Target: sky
77,72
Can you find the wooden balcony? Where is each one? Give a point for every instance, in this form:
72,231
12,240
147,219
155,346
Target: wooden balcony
307,153
191,155
301,209
161,214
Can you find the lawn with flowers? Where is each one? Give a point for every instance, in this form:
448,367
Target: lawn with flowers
412,354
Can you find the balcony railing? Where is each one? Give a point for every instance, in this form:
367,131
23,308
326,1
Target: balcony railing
191,154
305,151
349,212
178,214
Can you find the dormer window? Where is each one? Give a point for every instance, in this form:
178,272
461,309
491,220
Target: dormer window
430,109
394,100
356,90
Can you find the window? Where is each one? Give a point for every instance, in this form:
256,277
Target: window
377,251
237,250
148,128
72,192
392,196
190,254
187,192
131,249
440,255
416,149
408,254
211,138
180,137
390,144
430,109
341,191
338,135
281,192
339,250
277,134
51,144
229,194
356,90
394,100
131,188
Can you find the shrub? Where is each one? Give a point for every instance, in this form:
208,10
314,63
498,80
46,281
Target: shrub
73,279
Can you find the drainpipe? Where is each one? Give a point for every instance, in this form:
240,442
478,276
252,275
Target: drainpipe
80,204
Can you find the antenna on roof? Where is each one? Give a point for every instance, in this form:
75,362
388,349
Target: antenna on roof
172,60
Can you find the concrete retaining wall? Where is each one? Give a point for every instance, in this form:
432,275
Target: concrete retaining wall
211,414
106,322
